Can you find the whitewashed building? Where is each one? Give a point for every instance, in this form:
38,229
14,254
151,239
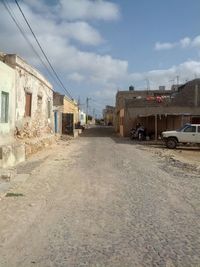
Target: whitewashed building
26,117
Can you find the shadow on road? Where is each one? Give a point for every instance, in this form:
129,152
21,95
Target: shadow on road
99,131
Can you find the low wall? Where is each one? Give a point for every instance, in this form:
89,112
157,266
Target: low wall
12,154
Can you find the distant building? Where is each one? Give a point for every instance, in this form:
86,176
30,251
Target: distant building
108,115
82,118
158,110
66,114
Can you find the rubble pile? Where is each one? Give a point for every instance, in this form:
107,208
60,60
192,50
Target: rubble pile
32,131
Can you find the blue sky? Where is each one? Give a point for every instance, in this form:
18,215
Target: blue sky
99,47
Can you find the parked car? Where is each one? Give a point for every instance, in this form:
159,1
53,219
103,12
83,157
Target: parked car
189,133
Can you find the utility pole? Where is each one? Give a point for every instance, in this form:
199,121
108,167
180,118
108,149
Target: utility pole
148,84
87,106
79,102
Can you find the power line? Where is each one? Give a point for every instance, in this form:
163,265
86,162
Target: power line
44,54
22,31
37,41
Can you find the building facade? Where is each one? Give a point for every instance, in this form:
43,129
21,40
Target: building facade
158,110
66,114
26,109
109,115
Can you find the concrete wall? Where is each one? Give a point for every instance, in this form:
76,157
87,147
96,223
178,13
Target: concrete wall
11,154
189,94
132,116
7,84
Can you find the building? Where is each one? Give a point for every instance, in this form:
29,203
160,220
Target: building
158,110
108,115
123,122
26,118
82,118
66,114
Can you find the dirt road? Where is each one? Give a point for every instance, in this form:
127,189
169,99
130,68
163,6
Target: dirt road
101,201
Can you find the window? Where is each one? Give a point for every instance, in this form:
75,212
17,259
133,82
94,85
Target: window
198,129
28,105
190,129
4,106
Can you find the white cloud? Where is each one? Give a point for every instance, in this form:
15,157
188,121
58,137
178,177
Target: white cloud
75,76
186,71
56,39
164,46
82,32
183,43
89,9
196,41
98,75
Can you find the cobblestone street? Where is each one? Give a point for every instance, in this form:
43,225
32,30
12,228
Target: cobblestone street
101,201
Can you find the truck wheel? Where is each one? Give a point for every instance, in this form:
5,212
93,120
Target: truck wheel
171,143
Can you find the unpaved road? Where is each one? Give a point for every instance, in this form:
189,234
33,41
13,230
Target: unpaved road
99,202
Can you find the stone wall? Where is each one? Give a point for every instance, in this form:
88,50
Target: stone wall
28,80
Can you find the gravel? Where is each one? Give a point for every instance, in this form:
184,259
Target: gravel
99,202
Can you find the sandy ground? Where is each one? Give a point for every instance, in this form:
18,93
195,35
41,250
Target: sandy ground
101,201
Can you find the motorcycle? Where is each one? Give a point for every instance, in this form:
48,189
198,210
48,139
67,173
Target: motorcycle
139,133
133,134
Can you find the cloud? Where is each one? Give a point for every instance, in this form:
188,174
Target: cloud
89,9
56,38
75,76
186,71
82,32
196,41
88,72
164,46
183,43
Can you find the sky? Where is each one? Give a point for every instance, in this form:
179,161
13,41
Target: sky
98,47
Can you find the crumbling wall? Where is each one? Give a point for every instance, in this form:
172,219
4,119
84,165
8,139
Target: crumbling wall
40,120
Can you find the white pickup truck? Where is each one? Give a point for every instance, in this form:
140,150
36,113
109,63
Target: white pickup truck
189,133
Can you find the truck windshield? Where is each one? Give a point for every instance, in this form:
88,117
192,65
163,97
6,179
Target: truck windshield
183,127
